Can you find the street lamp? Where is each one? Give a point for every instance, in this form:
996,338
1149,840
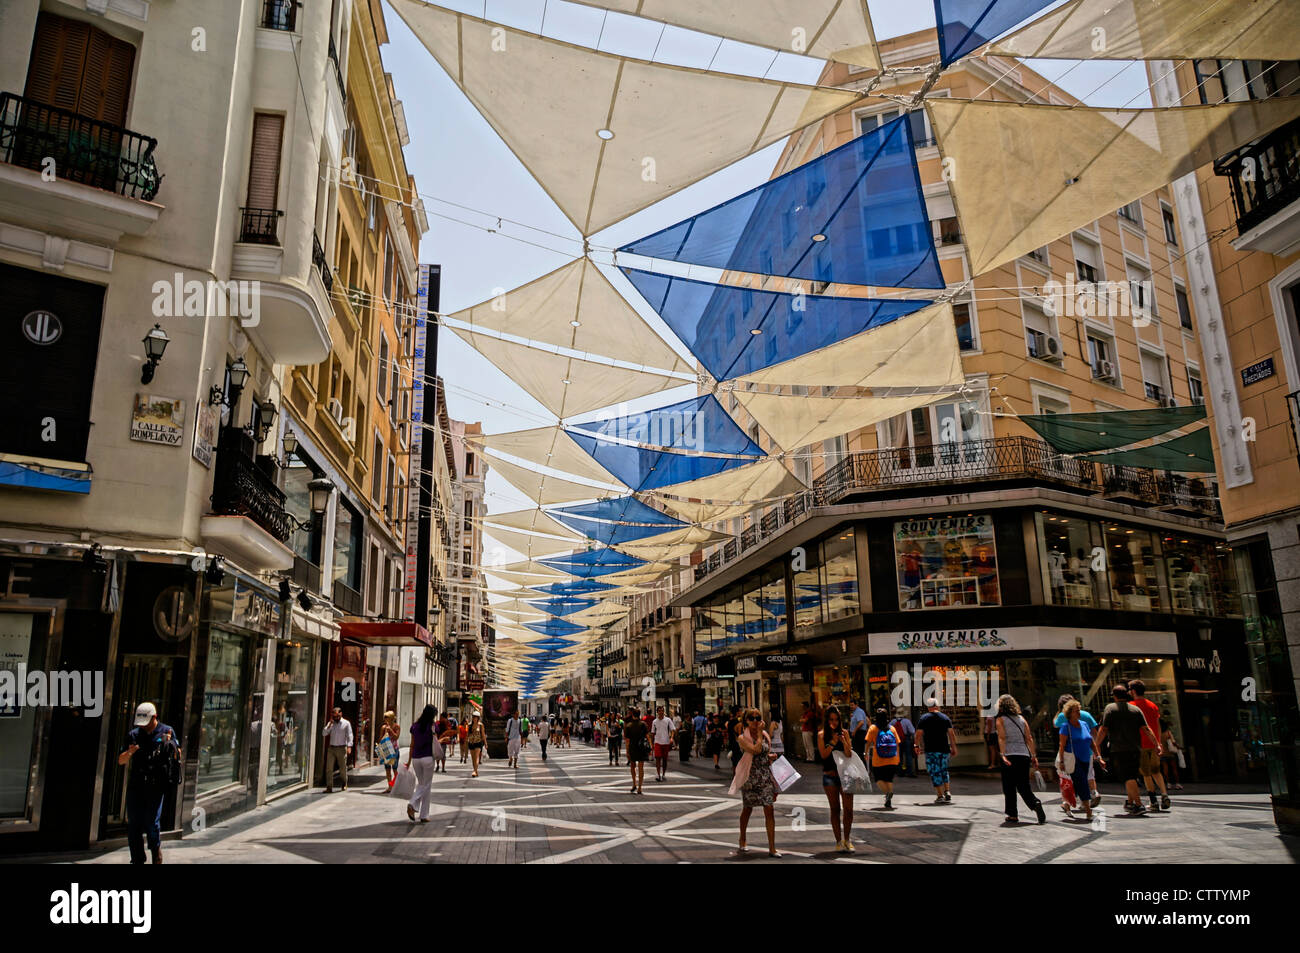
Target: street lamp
290,444
320,490
265,418
155,342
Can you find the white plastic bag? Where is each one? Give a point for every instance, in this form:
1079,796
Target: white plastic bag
853,774
404,786
1040,782
784,774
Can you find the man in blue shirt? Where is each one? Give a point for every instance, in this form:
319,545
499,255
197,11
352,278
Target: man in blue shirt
153,758
700,724
858,729
907,743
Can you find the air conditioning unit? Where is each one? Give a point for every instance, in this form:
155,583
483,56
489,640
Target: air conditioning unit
1168,402
335,408
1053,349
1103,370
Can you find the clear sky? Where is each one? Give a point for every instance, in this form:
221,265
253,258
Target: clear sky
456,157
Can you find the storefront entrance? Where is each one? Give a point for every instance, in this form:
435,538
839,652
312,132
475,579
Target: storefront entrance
154,678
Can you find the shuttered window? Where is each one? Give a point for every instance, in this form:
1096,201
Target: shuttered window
78,67
264,165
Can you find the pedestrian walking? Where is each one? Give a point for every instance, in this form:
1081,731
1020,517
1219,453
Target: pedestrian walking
858,723
662,730
808,729
420,758
462,734
512,741
338,748
991,741
713,742
1153,778
1016,748
776,731
153,760
636,733
1170,756
615,741
1091,793
884,745
543,735
1125,726
1076,752
685,739
700,725
833,737
906,743
936,742
445,735
524,728
733,737
754,781
476,737
391,731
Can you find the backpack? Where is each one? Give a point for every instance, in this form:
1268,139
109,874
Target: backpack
162,766
887,743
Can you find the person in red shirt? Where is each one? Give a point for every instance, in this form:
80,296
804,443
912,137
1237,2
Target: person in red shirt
1152,776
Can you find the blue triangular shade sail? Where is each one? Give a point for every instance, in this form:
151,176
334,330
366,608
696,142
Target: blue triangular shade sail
622,509
699,424
594,562
717,322
966,25
576,587
562,607
611,534
554,627
855,215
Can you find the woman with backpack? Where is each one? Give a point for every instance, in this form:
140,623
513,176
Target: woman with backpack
1077,751
883,746
1018,756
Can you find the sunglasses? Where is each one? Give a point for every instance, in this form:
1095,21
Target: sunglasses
754,718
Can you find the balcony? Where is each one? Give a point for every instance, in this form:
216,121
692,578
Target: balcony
280,15
1264,178
347,599
997,461
338,70
259,226
106,176
249,520
306,574
318,259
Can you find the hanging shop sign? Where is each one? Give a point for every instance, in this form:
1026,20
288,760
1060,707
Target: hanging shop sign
718,668
205,434
772,662
158,420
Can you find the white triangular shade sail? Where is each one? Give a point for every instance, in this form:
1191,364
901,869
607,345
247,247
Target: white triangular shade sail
1084,162
528,544
531,521
805,420
545,310
517,616
827,29
548,100
547,447
600,615
563,384
542,488
641,574
1159,30
674,545
728,494
527,572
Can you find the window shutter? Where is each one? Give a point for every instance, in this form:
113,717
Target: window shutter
264,164
58,60
106,81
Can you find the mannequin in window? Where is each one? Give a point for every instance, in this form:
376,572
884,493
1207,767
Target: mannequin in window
984,567
1056,572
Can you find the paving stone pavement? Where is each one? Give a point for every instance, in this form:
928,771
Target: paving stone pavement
575,808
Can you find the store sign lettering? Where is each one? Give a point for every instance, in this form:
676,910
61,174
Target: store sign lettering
942,527
951,639
42,327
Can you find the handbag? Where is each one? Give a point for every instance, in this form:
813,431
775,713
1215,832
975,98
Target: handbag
853,774
784,774
404,786
387,752
1067,792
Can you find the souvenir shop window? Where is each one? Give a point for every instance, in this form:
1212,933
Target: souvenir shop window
840,574
946,562
1202,577
1067,547
1131,566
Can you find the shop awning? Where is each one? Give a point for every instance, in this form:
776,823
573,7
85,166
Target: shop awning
386,633
315,626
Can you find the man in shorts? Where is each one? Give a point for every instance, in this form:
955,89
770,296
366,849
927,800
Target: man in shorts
1126,726
1152,776
936,742
662,730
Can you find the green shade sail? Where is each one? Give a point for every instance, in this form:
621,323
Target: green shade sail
1190,453
1085,433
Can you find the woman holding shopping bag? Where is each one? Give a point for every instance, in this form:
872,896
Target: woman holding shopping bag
833,738
390,732
1017,752
421,753
1076,752
753,779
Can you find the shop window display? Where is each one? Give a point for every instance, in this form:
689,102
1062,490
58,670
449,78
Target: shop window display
840,575
808,592
1066,549
946,562
1131,567
1202,578
291,710
222,740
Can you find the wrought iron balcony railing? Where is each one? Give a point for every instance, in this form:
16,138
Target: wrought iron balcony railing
1293,412
1264,176
318,259
259,226
306,573
338,70
77,148
280,15
346,598
241,488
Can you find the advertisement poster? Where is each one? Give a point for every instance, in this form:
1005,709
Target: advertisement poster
205,434
498,707
158,420
946,562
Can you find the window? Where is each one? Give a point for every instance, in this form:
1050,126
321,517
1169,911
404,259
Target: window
1195,387
1131,567
961,313
1087,259
377,469
1142,299
401,498
1153,377
348,531
1171,233
1067,551
1132,212
1101,357
1202,577
1040,338
78,67
946,562
949,231
388,267
1051,405
389,481
1184,307
1038,256
840,575
385,360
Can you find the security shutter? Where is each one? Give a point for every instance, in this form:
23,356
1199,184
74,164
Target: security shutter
264,166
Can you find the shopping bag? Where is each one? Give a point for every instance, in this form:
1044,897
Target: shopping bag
853,774
387,752
404,786
1067,793
784,774
1040,782
1182,762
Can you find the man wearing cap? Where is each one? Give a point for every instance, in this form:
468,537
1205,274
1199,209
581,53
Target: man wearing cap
338,745
148,746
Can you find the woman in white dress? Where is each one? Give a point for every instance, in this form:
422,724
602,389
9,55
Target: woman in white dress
775,731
